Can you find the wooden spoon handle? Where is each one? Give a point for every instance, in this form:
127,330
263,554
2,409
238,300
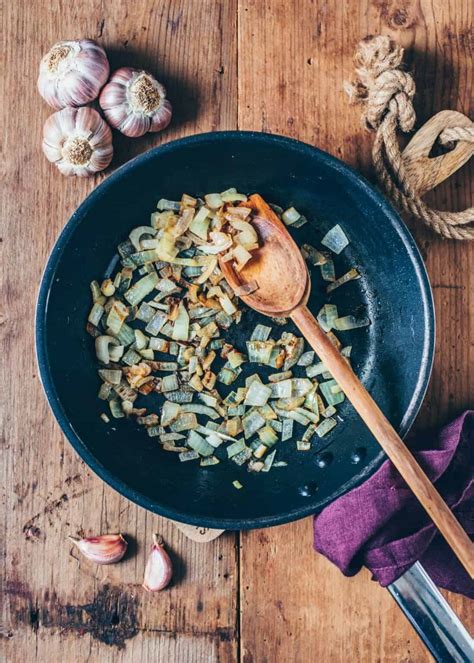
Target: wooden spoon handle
387,437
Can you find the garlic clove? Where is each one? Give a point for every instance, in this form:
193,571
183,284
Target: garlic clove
134,102
72,73
78,141
103,549
159,569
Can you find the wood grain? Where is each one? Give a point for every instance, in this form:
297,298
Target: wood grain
295,605
217,58
58,607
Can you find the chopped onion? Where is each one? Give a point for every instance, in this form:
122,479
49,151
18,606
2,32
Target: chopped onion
102,345
327,271
351,275
335,239
290,216
261,333
350,322
141,289
325,426
314,256
258,394
246,288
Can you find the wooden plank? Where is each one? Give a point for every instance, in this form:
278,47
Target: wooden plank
292,64
56,606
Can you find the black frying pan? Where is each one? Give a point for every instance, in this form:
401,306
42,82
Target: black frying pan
393,356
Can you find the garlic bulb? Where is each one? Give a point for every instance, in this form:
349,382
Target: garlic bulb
72,73
78,141
158,570
134,102
103,549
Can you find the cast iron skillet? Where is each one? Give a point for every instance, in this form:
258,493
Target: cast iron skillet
393,356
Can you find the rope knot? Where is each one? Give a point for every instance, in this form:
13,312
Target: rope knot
381,85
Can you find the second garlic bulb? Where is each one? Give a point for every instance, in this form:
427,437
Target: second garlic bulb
77,141
134,102
72,73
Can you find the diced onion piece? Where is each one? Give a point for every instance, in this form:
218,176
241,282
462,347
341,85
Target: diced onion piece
169,413
327,270
188,455
301,445
306,358
232,196
335,239
252,422
112,376
326,316
200,224
332,397
200,409
156,324
315,369
287,430
281,389
137,233
260,351
351,275
261,333
242,257
246,288
268,436
325,426
199,444
235,448
220,243
181,324
290,216
185,421
235,358
258,394
350,322
209,460
314,256
141,289
96,313
164,204
213,200
102,344
207,271
278,377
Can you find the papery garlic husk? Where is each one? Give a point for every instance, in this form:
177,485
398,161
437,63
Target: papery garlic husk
78,141
158,570
73,73
103,549
134,102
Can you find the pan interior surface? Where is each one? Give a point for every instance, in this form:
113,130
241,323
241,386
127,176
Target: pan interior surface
392,356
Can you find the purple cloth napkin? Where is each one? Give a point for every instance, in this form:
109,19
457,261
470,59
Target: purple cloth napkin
381,525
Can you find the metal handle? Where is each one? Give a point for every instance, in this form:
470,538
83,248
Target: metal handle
432,617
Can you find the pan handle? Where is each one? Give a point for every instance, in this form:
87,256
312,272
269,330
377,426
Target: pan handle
432,617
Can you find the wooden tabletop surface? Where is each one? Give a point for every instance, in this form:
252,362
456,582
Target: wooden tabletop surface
262,596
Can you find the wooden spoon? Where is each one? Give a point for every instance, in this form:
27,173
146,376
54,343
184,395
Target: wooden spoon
283,290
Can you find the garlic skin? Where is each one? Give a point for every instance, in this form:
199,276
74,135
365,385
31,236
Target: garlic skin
72,73
134,102
103,549
159,569
78,141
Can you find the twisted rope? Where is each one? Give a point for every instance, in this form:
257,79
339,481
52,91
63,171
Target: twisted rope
387,93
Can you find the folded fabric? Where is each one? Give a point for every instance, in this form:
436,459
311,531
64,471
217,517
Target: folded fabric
382,526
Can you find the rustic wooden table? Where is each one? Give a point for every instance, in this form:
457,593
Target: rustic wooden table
261,596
